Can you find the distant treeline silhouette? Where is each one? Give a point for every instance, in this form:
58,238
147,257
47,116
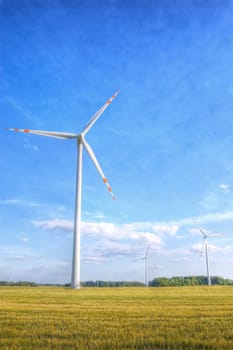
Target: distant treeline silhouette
156,282
162,282
188,281
18,284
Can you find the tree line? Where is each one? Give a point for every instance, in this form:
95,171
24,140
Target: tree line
188,281
18,284
162,282
156,282
111,284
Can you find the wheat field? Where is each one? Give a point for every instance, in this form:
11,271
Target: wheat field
116,318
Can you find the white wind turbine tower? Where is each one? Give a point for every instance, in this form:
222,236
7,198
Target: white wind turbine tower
205,247
146,265
81,142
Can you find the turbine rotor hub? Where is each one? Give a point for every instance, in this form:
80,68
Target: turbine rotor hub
80,139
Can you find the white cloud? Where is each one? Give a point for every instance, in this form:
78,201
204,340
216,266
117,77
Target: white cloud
182,259
132,230
111,248
216,217
225,250
23,202
94,215
199,248
109,231
101,240
12,252
225,187
11,201
56,224
197,232
19,257
24,239
156,266
120,232
149,232
15,201
162,229
93,259
203,219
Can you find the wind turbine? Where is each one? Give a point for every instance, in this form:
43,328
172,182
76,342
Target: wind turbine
81,142
205,235
146,266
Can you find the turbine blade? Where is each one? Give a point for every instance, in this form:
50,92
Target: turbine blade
98,114
98,167
203,247
58,135
215,234
147,250
203,232
200,229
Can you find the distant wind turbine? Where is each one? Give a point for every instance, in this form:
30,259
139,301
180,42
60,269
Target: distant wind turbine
206,234
146,265
81,142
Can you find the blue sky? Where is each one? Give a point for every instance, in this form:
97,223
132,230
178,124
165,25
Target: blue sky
165,143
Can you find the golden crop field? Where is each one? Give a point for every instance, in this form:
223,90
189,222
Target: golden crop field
116,318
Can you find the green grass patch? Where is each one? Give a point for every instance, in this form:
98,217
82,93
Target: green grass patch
116,318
